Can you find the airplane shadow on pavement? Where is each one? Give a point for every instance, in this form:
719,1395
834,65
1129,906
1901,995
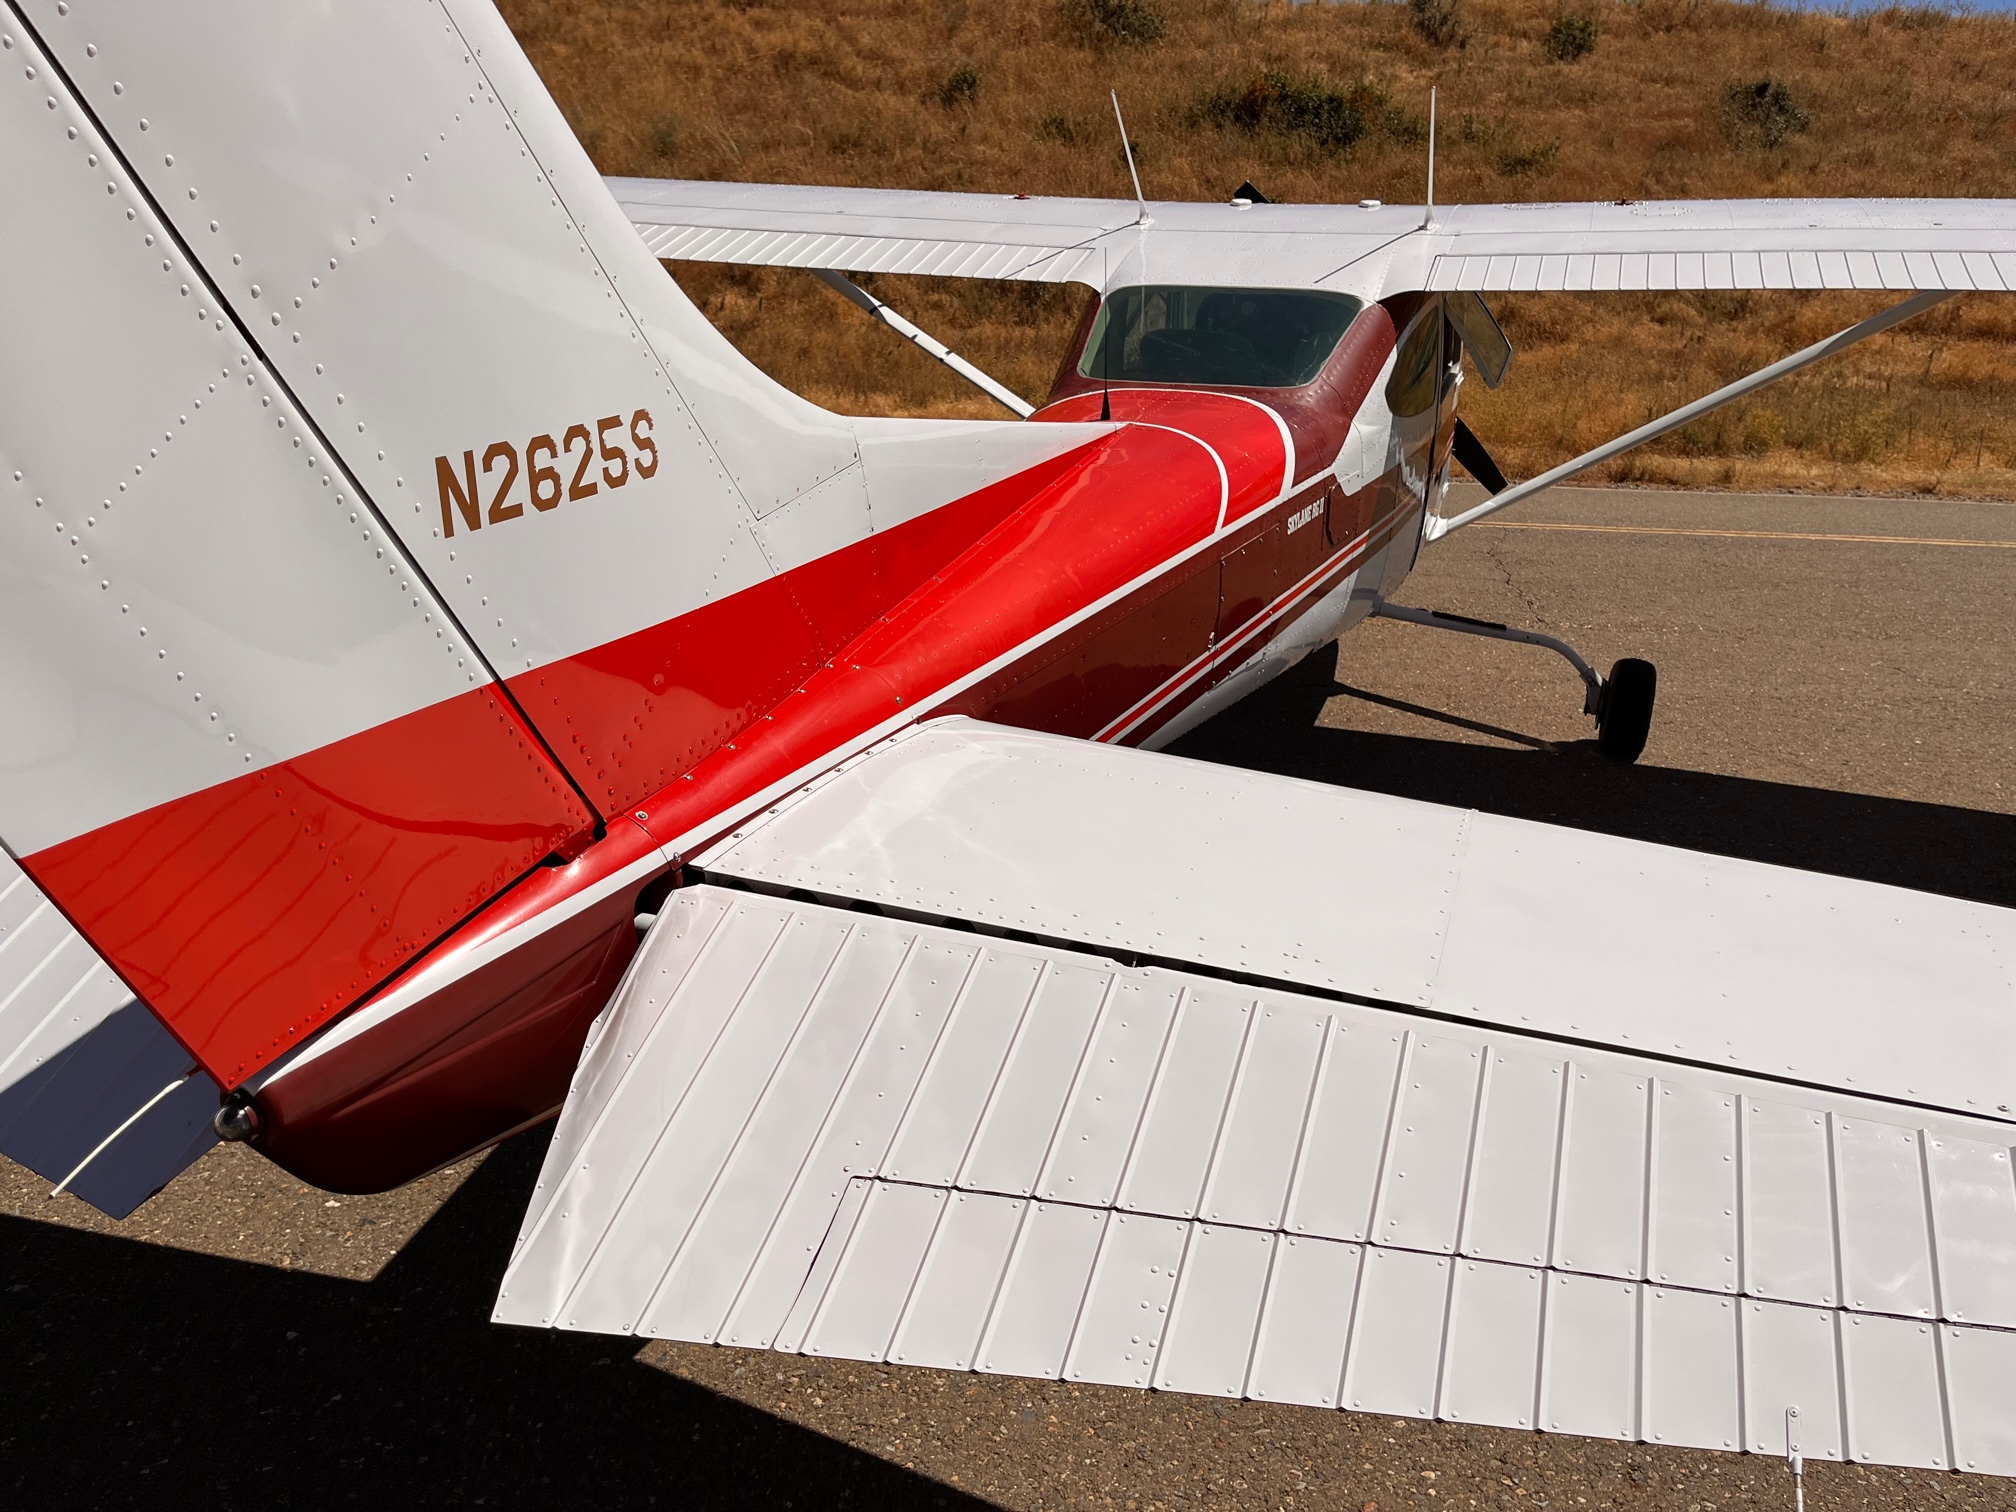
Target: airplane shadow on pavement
144,1376
1958,852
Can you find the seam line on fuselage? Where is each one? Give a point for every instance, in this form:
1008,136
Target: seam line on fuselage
1275,611
412,984
1179,682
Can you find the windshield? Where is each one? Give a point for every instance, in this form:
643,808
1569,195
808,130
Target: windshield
1231,338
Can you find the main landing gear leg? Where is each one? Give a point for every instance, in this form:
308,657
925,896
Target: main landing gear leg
1621,702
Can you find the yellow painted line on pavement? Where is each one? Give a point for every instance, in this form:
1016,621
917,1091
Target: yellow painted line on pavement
1750,535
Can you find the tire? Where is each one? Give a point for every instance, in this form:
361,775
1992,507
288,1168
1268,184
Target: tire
1626,717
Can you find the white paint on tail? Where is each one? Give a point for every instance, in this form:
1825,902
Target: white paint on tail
400,253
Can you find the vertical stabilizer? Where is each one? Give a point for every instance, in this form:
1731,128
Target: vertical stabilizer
379,518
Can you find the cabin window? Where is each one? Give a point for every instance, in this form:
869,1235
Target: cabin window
1224,338
1411,389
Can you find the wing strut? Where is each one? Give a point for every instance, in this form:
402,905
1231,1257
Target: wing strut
1881,321
854,293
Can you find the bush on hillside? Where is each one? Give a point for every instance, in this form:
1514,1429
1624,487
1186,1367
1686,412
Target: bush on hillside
1527,158
1762,112
1912,17
1570,38
1506,147
1058,128
1438,21
1137,21
961,87
1301,107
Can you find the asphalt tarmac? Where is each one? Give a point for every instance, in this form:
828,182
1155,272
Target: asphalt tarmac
1828,700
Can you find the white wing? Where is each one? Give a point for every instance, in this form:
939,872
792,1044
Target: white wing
872,230
1730,244
1668,244
1672,1148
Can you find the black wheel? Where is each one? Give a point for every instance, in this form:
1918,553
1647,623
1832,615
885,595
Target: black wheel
1626,716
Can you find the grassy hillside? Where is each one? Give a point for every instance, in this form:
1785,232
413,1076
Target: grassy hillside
1540,100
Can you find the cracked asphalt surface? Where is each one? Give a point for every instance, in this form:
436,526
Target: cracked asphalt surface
1843,705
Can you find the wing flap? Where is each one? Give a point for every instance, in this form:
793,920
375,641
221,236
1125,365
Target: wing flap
779,1133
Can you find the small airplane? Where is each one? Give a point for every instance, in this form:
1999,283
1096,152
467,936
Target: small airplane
449,687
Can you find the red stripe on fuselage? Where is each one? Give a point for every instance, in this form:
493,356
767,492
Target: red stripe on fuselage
249,913
1139,499
636,713
1248,437
475,1051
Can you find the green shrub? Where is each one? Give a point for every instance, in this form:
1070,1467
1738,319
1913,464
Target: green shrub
1137,21
1762,112
1570,38
1532,157
1302,107
1438,21
1057,128
1505,146
1763,431
961,87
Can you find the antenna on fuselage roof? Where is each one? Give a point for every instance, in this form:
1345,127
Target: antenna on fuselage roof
1105,344
1428,215
1128,148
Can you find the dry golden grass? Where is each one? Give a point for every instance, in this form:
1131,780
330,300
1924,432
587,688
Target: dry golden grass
832,92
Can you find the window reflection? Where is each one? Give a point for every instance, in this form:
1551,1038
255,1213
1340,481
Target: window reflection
1227,338
1411,389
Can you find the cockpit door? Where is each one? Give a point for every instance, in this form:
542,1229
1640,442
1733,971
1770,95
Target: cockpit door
1414,393
1448,381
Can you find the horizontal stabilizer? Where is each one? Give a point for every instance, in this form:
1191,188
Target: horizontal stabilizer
73,1119
80,1057
1842,984
823,1131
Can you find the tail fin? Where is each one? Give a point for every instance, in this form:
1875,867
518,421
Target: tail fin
377,517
